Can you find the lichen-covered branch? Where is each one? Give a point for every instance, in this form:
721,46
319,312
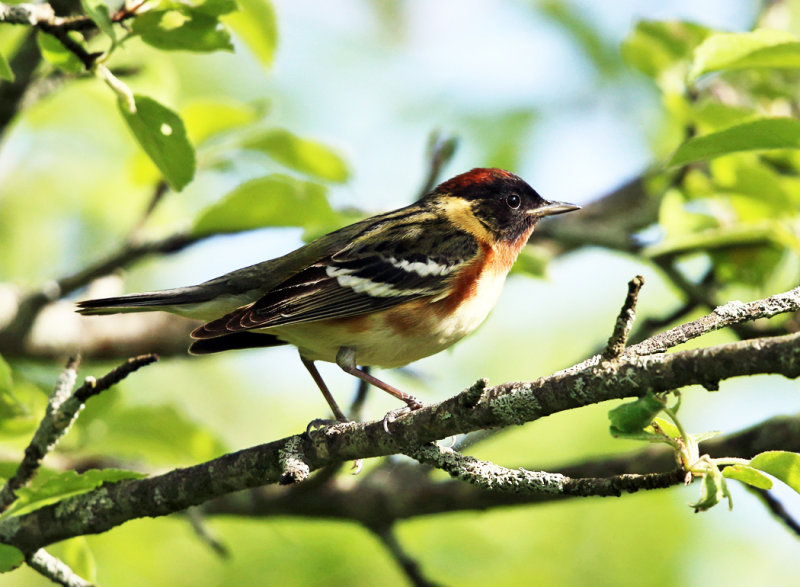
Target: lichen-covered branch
55,569
385,496
730,314
62,410
58,418
622,327
476,408
493,477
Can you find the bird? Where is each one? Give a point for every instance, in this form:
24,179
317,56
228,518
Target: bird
385,291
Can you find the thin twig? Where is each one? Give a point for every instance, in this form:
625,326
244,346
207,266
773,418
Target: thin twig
91,387
405,561
30,306
198,522
496,478
53,425
62,410
622,327
55,569
161,189
441,149
776,509
730,314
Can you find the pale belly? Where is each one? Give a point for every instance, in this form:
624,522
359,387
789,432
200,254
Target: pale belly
394,337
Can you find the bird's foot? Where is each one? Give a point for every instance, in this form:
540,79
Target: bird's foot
319,423
390,417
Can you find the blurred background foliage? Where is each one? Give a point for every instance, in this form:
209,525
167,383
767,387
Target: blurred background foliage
322,113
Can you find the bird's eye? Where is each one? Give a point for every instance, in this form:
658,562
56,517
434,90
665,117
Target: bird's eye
513,201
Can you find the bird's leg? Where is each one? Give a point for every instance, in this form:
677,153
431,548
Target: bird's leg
325,391
340,417
346,359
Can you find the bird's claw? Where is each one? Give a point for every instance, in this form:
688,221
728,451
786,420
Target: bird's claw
394,414
318,423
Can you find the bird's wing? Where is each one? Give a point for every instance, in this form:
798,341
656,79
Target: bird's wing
383,266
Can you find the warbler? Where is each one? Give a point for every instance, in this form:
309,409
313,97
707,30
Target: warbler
385,291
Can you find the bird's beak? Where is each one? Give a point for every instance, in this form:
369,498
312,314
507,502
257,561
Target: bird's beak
551,208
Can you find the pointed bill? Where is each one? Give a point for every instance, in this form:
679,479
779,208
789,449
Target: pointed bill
551,208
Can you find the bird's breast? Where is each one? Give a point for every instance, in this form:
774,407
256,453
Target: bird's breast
407,332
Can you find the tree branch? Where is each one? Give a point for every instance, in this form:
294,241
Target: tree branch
492,477
29,307
411,492
62,410
55,569
407,564
730,314
622,327
58,418
593,381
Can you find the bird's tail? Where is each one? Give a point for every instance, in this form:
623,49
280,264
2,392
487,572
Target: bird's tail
171,300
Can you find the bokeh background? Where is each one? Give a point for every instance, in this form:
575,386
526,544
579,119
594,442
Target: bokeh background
373,79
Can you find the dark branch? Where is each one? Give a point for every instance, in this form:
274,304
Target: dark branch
405,561
30,306
440,151
776,508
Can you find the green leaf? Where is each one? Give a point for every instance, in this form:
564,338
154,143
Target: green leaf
97,10
184,28
747,475
5,69
532,261
712,491
781,464
57,54
309,157
677,221
735,235
20,412
699,437
256,25
635,416
760,48
10,558
274,200
159,434
765,133
580,26
212,7
10,406
78,556
204,119
5,377
48,489
162,135
666,427
658,48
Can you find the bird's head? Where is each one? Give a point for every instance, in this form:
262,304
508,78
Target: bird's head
495,201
